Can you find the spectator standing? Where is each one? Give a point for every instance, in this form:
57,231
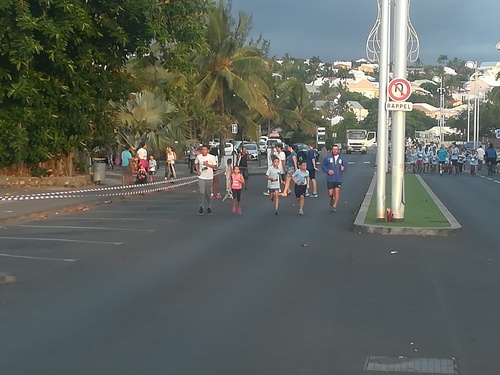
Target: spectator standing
170,173
191,159
205,164
126,159
152,168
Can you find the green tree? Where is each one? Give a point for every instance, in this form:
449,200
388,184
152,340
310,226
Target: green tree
229,74
62,62
148,118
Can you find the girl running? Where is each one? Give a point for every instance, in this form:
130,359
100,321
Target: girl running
237,182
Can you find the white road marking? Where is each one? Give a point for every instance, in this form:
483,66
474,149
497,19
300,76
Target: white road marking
39,258
351,162
78,227
366,162
59,240
116,219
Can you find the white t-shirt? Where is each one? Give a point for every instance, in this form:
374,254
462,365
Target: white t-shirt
480,153
143,153
282,158
206,173
273,173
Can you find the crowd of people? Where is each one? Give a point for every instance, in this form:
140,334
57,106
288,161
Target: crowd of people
140,168
285,172
453,159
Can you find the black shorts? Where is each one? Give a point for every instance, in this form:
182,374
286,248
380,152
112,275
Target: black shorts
454,162
300,190
312,174
237,194
333,185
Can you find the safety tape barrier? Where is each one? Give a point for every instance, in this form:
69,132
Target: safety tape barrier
126,190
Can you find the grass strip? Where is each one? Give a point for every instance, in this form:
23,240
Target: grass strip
420,209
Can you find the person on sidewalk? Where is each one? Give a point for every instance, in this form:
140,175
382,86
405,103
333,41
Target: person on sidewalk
311,168
301,180
126,158
191,159
152,168
170,173
334,166
205,165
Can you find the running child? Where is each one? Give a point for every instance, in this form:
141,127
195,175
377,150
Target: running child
237,182
273,183
301,179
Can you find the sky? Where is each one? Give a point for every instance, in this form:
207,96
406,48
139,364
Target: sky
338,29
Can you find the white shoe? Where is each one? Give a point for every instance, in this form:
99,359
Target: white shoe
301,212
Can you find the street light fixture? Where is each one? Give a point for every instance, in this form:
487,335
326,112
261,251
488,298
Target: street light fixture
441,91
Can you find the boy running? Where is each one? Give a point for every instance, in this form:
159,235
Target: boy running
301,179
273,183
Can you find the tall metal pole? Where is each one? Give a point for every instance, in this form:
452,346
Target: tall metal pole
441,112
476,102
468,115
382,129
399,118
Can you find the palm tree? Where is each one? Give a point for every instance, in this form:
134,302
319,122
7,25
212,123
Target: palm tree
229,74
146,117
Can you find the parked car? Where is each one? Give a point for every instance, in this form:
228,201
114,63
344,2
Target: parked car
228,149
252,149
262,146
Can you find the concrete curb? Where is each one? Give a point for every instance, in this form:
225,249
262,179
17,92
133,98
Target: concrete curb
7,278
360,226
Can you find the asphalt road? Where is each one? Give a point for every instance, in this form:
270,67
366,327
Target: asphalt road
146,286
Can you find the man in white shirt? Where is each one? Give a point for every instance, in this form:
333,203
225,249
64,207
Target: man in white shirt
204,165
282,165
142,152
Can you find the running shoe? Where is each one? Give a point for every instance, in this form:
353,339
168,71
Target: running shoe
209,211
200,211
334,209
233,211
314,195
301,212
239,210
266,193
276,213
332,201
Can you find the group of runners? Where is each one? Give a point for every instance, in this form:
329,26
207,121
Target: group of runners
451,160
279,175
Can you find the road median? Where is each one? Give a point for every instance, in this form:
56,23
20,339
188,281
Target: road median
425,214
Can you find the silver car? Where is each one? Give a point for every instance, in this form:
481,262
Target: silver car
253,150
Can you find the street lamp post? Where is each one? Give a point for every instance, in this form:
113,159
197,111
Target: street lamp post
440,90
475,136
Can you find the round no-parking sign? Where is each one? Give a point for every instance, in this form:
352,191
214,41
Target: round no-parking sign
399,89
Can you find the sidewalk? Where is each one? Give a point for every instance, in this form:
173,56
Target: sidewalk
40,206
